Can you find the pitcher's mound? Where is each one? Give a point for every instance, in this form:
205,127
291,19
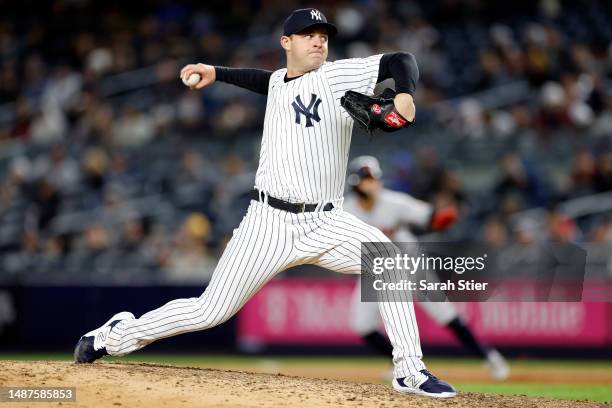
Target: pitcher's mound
137,385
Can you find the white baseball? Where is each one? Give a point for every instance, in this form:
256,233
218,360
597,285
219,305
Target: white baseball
192,80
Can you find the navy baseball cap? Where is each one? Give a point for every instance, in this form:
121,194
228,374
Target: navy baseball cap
302,19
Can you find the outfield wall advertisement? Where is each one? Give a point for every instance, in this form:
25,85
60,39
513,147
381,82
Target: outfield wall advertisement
316,311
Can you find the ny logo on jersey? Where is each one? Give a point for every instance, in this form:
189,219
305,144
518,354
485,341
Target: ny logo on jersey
315,15
310,112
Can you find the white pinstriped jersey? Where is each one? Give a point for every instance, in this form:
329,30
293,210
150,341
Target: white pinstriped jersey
392,213
307,134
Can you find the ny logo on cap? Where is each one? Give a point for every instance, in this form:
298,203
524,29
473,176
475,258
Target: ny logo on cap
315,15
310,112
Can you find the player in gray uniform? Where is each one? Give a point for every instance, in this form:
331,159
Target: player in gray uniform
295,216
394,213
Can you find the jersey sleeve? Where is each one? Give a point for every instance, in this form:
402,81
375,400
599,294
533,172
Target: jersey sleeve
276,78
412,211
356,74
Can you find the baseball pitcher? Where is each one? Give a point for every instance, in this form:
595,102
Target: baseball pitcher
295,216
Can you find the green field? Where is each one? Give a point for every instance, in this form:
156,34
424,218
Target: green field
600,393
523,383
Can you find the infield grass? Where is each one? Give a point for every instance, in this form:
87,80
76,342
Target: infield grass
600,393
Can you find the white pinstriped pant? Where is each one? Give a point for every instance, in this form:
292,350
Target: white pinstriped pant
365,316
267,242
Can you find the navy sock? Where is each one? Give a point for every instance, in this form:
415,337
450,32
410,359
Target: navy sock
466,337
379,343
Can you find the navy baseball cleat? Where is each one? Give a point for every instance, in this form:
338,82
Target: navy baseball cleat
92,345
431,387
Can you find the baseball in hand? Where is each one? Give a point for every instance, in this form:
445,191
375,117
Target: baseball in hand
192,80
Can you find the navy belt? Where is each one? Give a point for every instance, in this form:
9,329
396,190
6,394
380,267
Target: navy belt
295,208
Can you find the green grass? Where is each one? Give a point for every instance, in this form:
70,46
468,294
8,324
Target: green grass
599,393
595,392
218,359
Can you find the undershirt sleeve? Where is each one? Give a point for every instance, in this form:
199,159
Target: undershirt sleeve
402,67
253,79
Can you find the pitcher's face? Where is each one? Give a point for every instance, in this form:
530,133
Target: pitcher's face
306,51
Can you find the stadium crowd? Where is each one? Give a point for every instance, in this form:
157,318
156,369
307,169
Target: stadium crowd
113,170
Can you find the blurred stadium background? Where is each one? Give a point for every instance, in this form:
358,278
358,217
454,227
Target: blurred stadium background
119,187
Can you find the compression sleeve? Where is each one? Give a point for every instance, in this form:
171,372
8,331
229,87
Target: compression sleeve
402,67
253,79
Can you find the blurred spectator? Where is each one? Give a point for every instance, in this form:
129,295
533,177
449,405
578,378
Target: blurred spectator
401,172
602,233
157,250
61,170
91,254
190,111
429,173
123,175
519,186
48,125
23,120
193,183
19,179
451,187
603,176
583,174
93,121
191,260
46,202
236,115
472,119
232,195
62,88
130,253
26,261
603,123
495,232
492,71
133,128
553,114
52,256
561,228
95,167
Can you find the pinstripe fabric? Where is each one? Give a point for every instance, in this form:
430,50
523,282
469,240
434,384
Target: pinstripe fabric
266,242
303,158
300,163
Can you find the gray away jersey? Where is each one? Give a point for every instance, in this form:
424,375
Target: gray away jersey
392,213
307,134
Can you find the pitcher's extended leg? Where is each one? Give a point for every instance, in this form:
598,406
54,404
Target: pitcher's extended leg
258,250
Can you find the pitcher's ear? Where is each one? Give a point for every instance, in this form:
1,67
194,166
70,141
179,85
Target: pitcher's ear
285,42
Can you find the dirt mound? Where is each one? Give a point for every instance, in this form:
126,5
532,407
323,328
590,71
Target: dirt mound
148,385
